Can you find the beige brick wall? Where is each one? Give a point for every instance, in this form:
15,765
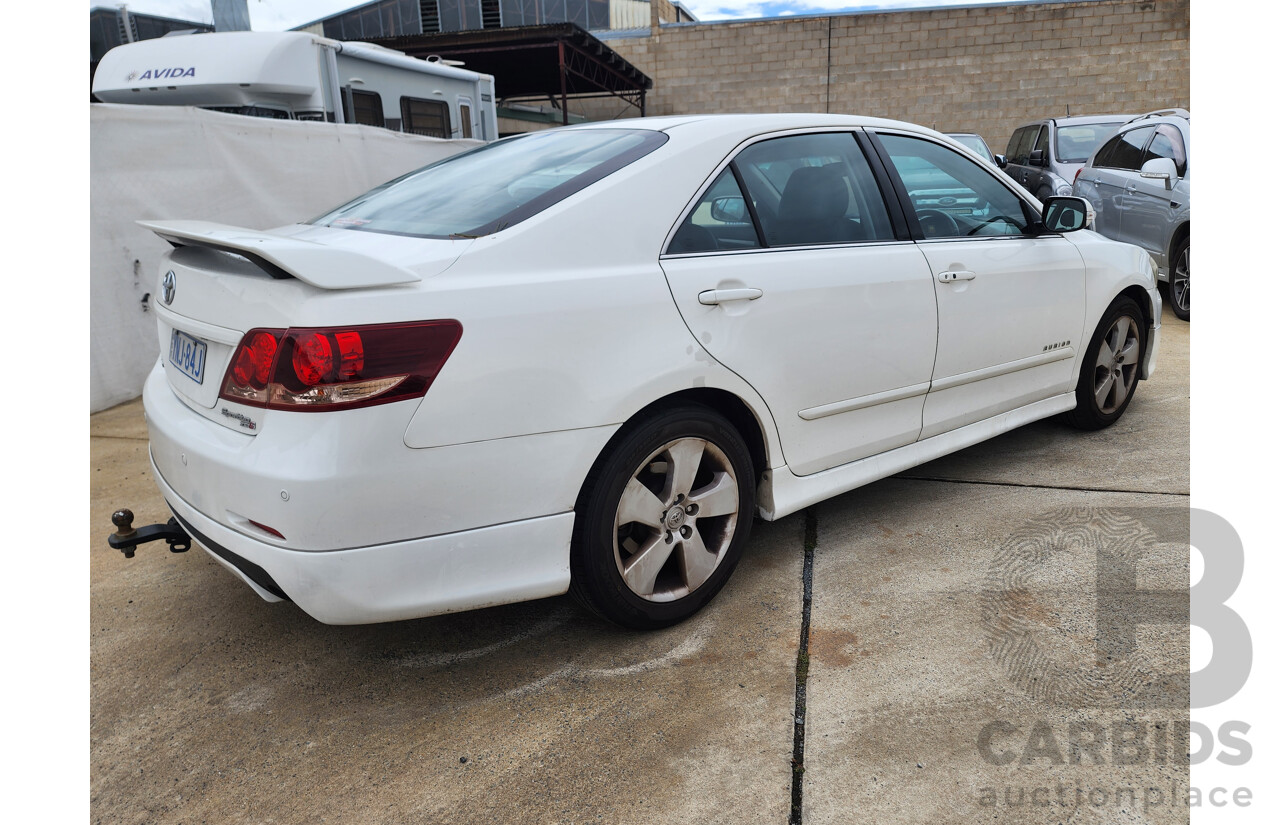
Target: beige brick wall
984,70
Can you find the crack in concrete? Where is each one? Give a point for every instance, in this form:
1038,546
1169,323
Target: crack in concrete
802,670
1042,486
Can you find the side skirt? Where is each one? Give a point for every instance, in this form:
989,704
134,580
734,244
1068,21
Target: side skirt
782,493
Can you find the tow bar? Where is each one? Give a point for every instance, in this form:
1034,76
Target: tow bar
126,538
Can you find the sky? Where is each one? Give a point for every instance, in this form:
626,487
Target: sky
277,15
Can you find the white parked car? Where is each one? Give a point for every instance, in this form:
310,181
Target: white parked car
585,359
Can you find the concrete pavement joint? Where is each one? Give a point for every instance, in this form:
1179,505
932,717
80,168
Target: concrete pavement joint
1042,486
802,670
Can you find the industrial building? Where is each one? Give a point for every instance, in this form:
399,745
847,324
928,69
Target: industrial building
398,18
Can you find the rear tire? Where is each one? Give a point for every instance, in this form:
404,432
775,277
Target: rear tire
662,518
1109,373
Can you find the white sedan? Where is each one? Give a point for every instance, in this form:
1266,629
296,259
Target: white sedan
585,359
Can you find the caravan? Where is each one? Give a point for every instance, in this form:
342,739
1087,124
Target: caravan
301,76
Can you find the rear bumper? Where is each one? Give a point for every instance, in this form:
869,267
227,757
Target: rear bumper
505,563
327,482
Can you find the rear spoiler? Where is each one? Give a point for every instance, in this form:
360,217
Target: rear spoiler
321,266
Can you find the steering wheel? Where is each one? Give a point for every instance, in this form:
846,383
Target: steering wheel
937,224
994,219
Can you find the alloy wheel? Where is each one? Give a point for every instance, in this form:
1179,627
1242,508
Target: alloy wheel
1116,370
1180,281
676,519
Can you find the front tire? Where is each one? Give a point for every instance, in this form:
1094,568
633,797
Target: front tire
662,518
1109,374
1180,280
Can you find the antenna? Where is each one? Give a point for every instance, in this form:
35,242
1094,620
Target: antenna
1068,110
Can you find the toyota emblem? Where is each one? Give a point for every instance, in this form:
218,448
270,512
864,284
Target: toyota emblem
170,285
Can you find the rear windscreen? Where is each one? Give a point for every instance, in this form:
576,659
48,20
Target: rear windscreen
1076,143
495,186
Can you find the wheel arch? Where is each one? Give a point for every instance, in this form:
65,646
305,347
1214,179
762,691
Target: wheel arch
738,413
1142,298
1182,232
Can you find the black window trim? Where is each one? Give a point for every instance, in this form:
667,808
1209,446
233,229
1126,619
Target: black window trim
917,234
896,218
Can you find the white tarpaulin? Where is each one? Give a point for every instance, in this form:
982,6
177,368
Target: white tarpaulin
173,162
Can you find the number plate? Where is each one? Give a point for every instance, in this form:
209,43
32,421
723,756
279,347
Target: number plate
187,354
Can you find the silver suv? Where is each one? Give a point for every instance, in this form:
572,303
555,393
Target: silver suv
1139,183
1044,156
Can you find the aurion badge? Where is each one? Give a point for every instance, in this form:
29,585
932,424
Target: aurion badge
170,286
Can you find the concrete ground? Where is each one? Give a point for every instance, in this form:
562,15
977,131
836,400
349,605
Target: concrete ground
953,671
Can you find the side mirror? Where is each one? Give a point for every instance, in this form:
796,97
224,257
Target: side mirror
1037,157
1063,213
729,210
1002,161
1160,169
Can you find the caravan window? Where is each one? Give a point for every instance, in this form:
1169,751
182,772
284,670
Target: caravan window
367,106
425,117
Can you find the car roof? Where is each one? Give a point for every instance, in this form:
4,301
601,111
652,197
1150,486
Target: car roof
1073,120
749,124
1162,116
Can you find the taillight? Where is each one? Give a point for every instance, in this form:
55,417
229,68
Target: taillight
1076,176
338,367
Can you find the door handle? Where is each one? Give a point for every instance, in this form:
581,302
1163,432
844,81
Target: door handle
711,297
951,276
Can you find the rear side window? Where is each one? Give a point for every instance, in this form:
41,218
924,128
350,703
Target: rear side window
1011,151
1020,152
720,221
1167,143
496,185
813,189
1124,151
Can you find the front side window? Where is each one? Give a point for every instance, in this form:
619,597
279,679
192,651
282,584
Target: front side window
1124,151
494,186
952,196
1167,143
1074,144
1042,142
425,117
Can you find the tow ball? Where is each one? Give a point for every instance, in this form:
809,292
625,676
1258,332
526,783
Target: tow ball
126,538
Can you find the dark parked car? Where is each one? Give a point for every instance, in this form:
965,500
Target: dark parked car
1044,156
